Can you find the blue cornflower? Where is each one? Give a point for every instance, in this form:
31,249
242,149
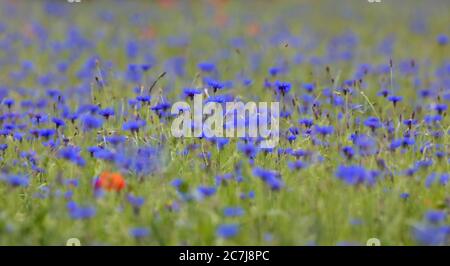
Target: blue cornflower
116,139
307,122
431,235
410,122
324,130
296,165
46,132
442,39
384,92
191,92
249,149
348,152
139,232
3,147
444,179
440,108
177,182
366,145
435,217
282,87
227,230
91,122
80,212
206,191
403,142
135,201
215,84
404,195
273,71
271,178
134,126
146,67
16,180
373,123
144,98
72,154
395,99
355,174
309,87
107,112
233,211
58,122
9,102
206,66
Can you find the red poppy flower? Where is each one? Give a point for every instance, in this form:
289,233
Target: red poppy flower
110,181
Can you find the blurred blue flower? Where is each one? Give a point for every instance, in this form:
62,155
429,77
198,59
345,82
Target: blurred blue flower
227,230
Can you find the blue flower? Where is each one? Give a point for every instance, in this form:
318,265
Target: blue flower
435,217
442,39
440,108
404,195
215,84
307,122
227,230
348,152
91,122
80,212
233,211
395,99
134,125
355,174
271,178
324,130
309,87
249,149
296,165
3,147
72,154
403,142
107,112
444,179
16,180
431,235
144,98
206,191
58,122
373,123
116,139
135,201
206,66
191,92
139,232
9,102
282,87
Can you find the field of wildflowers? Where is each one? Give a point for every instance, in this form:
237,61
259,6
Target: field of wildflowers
86,150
